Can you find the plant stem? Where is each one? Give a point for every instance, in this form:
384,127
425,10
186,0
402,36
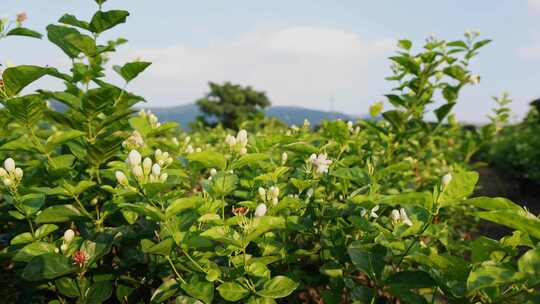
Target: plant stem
175,271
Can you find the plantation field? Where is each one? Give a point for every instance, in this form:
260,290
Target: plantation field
102,203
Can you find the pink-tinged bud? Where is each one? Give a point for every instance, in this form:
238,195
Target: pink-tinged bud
21,17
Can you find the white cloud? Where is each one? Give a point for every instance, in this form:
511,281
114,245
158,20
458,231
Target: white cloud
299,65
530,52
534,5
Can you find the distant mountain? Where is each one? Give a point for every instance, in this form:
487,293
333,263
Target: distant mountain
185,114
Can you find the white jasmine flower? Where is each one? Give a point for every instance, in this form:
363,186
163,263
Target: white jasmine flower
261,210
262,193
474,79
189,149
446,179
156,170
121,178
320,162
309,193
134,158
395,216
147,165
187,140
64,247
350,125
69,235
230,140
137,171
9,165
213,172
373,211
18,173
404,217
242,137
163,177
284,157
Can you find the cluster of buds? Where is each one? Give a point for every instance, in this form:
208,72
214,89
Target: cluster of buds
239,142
11,175
400,216
145,170
372,212
134,141
189,149
320,163
152,119
272,195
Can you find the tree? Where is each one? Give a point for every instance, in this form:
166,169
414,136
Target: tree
231,104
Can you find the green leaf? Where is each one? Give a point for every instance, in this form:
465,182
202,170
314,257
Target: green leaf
59,214
34,249
61,137
83,43
67,287
405,44
491,276
278,287
368,260
222,184
443,110
529,263
102,21
186,300
232,291
166,290
48,266
45,230
72,20
99,292
375,109
21,31
208,159
249,159
460,187
23,238
520,220
223,234
27,110
182,204
18,77
131,70
57,34
199,288
146,210
31,203
411,280
162,248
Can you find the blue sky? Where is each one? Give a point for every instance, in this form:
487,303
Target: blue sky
301,52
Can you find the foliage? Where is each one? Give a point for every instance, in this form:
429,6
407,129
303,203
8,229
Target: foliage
100,205
231,104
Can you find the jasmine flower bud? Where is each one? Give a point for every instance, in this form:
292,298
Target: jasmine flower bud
9,164
121,178
260,210
69,235
134,158
156,170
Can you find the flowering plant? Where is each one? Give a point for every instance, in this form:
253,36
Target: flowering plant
116,207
